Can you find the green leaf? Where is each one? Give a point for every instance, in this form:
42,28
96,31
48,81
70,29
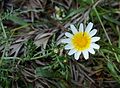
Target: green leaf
74,11
112,69
17,20
87,1
111,19
43,72
110,48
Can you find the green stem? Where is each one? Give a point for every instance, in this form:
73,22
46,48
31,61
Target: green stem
5,35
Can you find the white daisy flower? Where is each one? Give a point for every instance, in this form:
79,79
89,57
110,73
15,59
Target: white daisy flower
81,41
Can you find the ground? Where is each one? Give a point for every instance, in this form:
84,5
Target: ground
31,52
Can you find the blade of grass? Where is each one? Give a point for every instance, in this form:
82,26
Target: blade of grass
5,37
118,30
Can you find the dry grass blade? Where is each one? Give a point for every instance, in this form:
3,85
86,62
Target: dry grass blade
15,49
79,75
42,39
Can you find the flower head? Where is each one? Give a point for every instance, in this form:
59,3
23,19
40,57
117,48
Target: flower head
81,41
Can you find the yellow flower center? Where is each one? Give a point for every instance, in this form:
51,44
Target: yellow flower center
81,41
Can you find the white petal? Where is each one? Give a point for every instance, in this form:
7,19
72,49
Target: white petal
66,40
72,51
86,54
81,27
68,34
89,27
69,46
94,39
95,46
93,32
91,50
77,55
73,29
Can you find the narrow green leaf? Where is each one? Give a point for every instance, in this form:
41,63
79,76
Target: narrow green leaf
43,72
74,11
17,20
111,19
112,69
